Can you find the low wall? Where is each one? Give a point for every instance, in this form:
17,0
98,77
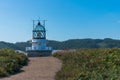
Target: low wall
39,53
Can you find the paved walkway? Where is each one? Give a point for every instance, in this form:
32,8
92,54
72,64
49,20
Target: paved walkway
39,68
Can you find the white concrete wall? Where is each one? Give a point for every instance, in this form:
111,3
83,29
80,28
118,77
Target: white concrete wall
38,44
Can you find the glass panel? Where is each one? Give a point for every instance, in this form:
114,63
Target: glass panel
39,27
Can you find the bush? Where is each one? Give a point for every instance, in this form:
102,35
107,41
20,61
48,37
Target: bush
89,64
3,72
11,62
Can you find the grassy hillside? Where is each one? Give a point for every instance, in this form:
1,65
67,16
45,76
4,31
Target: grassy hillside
69,44
89,64
11,62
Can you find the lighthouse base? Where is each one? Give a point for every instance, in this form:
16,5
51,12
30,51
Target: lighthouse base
39,53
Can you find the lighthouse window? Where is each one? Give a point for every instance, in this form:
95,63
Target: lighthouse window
38,34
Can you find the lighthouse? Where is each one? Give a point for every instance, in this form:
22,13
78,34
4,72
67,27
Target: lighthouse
39,47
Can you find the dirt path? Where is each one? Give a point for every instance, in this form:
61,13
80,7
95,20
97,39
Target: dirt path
40,68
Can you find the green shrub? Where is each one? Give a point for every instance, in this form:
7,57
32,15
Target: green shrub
89,64
11,62
3,72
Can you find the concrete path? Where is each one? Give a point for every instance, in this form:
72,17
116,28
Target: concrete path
39,68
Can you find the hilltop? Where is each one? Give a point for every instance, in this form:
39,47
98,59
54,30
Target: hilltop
68,44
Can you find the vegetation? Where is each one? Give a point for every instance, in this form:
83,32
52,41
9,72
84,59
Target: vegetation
89,64
69,44
11,62
16,46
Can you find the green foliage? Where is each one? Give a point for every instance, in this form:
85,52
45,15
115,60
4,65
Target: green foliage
69,44
11,62
3,72
89,64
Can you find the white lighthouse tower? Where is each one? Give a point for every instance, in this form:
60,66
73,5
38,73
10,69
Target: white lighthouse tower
39,47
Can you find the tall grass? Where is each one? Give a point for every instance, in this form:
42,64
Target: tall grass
11,62
89,64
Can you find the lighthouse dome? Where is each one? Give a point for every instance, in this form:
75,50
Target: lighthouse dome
39,27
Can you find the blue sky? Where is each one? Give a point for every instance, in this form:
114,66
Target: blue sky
66,19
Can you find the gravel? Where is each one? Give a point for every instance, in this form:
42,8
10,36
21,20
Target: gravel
39,68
